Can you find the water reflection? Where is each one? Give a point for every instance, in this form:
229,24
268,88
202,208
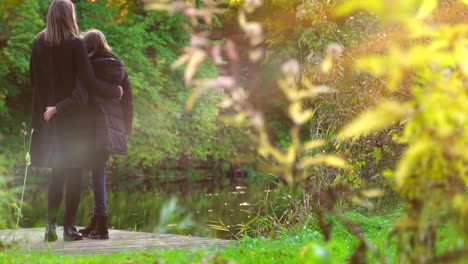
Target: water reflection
138,206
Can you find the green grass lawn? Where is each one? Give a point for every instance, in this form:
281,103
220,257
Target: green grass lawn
306,246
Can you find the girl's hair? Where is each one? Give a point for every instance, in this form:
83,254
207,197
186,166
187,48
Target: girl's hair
95,41
61,23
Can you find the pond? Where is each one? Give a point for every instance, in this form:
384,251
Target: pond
203,208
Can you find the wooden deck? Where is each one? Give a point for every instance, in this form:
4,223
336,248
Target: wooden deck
32,239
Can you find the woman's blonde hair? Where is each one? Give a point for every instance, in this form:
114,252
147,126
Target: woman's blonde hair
61,23
95,41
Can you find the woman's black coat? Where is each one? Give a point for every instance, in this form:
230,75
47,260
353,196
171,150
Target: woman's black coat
64,141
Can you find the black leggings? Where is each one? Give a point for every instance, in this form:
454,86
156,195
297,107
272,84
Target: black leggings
71,180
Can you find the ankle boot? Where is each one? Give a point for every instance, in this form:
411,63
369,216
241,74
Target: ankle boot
90,227
51,233
71,234
100,231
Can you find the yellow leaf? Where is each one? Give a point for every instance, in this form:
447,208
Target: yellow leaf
322,89
242,19
314,144
197,92
427,7
158,6
309,93
28,159
350,6
362,202
298,116
291,154
295,138
287,88
180,61
383,115
218,227
374,64
327,64
409,161
287,175
226,103
268,168
326,160
372,193
239,118
256,55
266,149
405,224
195,60
461,52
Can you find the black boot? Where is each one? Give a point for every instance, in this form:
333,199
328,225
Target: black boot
100,232
71,234
91,226
51,233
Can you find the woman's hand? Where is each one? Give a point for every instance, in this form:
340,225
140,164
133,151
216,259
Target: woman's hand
49,113
121,92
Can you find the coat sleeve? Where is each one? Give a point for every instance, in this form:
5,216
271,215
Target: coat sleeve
127,104
79,97
87,77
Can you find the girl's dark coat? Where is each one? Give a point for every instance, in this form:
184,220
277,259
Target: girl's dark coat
55,73
113,116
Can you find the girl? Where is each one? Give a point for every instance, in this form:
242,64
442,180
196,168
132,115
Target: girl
113,124
58,62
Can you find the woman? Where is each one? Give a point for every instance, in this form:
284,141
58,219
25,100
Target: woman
113,124
59,62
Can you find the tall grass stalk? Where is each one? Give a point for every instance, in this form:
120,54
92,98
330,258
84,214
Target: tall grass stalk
27,164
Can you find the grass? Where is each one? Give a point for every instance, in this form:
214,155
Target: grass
304,246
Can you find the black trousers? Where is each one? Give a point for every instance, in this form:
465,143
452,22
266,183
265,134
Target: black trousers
70,180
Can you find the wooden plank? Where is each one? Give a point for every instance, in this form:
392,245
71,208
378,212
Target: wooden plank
31,239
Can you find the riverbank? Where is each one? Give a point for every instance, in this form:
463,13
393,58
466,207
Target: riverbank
305,246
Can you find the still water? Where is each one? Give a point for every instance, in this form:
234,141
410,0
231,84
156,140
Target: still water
203,208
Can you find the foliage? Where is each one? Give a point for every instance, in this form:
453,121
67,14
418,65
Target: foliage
290,164
302,246
283,213
148,42
15,39
163,132
401,65
16,36
6,197
20,21
6,202
293,162
420,62
357,90
431,173
297,247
